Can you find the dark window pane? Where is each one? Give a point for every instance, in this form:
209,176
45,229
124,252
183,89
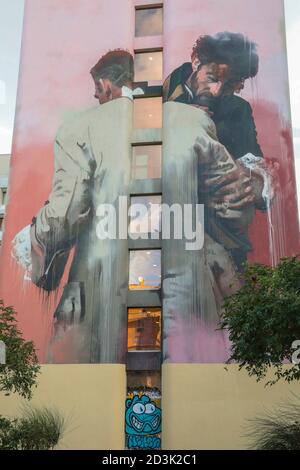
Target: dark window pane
148,22
146,161
144,269
144,330
148,113
136,379
148,66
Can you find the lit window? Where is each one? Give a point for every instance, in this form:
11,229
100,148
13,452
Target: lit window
147,66
148,22
144,329
145,215
146,161
144,269
148,113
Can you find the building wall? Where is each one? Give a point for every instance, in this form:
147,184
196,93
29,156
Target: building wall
207,407
4,172
89,396
192,285
4,165
272,234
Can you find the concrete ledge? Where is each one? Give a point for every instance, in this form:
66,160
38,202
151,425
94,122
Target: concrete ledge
141,244
146,186
146,136
143,360
144,298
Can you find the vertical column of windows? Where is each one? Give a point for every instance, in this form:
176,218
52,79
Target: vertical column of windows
144,321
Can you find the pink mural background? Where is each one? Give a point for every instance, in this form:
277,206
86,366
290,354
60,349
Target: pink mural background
268,94
62,40
276,234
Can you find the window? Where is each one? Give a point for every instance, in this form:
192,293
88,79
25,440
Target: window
145,215
147,113
148,21
149,379
148,66
144,269
144,329
146,161
3,198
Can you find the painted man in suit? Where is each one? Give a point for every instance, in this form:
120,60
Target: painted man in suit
92,167
219,66
211,156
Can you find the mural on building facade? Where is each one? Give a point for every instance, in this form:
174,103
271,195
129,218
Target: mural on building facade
92,168
232,180
226,144
143,419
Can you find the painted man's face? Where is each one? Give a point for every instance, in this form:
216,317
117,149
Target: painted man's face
103,91
233,86
208,81
106,91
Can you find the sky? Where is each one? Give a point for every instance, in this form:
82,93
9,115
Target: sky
292,18
11,19
10,45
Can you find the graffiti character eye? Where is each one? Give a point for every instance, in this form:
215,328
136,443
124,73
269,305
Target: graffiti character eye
138,408
149,408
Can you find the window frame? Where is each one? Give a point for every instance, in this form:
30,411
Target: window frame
151,6
144,310
152,288
160,80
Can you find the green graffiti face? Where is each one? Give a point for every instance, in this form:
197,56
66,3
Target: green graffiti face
142,416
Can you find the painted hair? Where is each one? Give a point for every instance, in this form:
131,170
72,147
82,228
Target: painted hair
116,65
233,49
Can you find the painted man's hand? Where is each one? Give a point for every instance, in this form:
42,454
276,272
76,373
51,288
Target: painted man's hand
237,189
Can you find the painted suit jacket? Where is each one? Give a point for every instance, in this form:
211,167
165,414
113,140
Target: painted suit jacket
235,129
92,167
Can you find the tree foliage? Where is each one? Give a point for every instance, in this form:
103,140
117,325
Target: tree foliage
263,320
36,429
20,371
276,429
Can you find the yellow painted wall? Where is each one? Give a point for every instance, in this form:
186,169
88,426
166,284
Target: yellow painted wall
206,407
91,396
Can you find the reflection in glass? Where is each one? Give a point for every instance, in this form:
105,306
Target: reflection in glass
144,330
145,215
151,379
147,113
148,66
146,161
148,22
144,269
